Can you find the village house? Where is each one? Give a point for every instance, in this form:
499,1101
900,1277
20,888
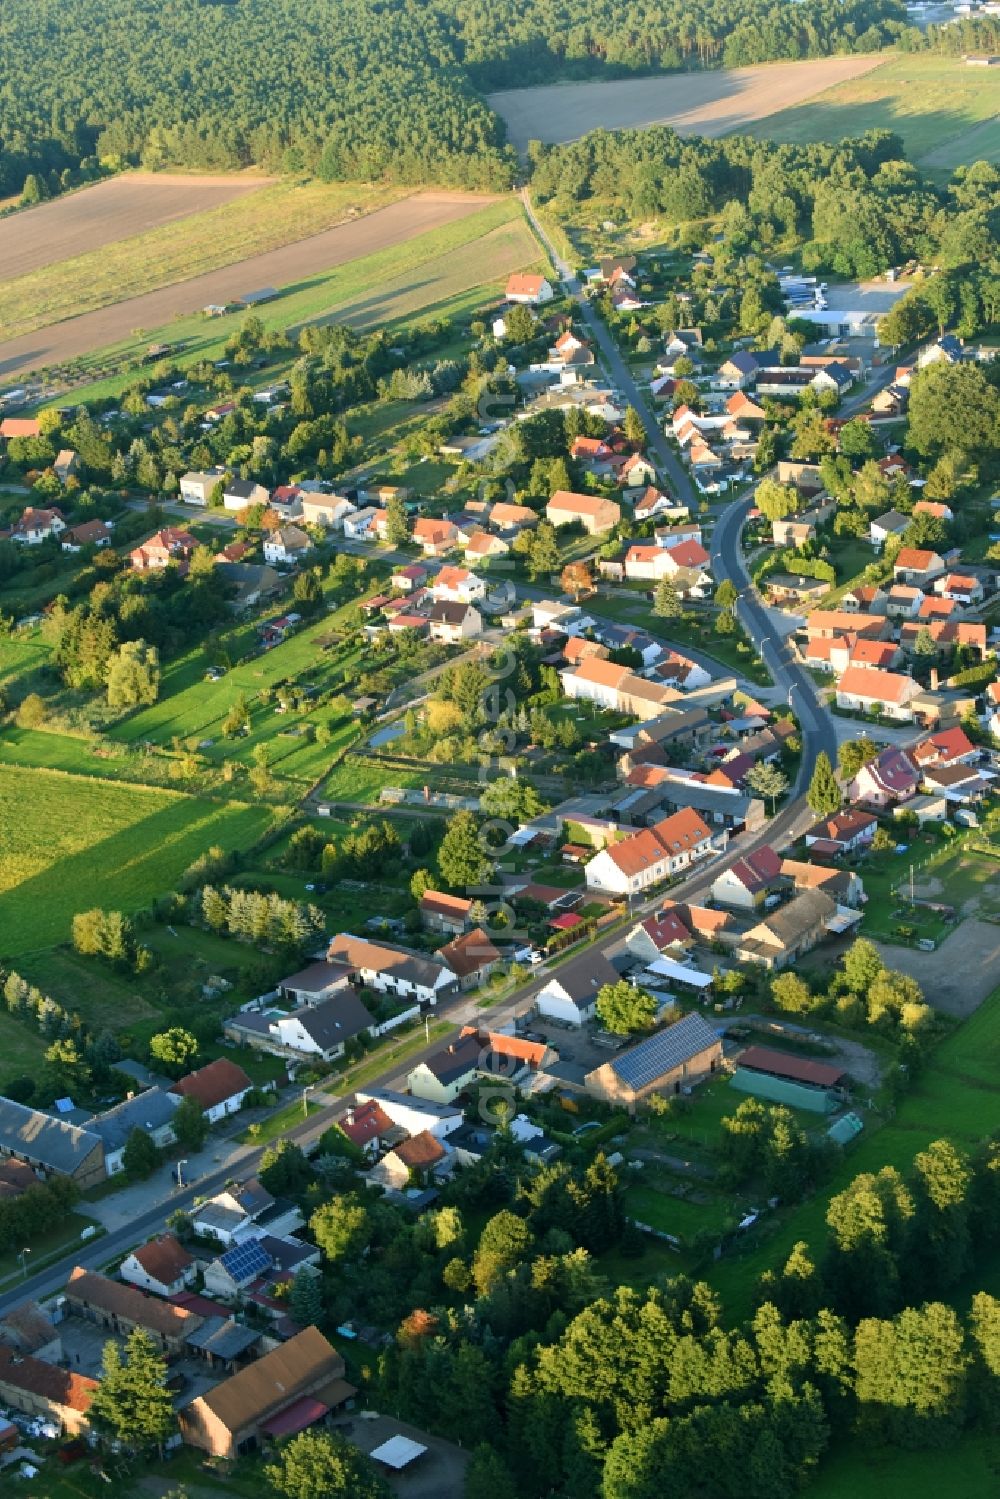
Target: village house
963,589
661,935
50,1146
892,523
66,465
443,1076
291,1388
366,1126
170,545
151,1111
570,994
947,747
36,526
916,565
411,1115
842,885
746,884
314,1032
888,779
240,494
903,601
434,537
868,690
420,1158
20,426
90,533
365,525
451,623
197,487
286,545
673,1059
395,969
458,585
440,912
220,1088
472,958
162,1266
530,290
651,855
328,510
846,832
314,984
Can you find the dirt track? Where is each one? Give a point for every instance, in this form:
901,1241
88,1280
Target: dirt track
957,977
295,262
107,212
703,103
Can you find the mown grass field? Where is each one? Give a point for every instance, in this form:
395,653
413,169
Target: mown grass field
71,843
396,285
945,111
250,225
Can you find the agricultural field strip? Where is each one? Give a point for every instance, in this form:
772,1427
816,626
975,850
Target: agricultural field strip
303,268
130,266
708,103
107,212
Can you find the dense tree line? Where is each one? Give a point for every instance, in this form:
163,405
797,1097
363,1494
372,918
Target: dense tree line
348,90
258,917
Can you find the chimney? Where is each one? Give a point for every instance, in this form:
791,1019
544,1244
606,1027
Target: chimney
934,679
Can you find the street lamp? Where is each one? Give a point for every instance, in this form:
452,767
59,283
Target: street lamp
180,1179
305,1105
24,1263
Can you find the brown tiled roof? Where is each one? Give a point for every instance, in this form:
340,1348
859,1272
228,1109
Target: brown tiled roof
130,1303
419,1151
36,1377
213,1084
466,954
274,1381
164,1259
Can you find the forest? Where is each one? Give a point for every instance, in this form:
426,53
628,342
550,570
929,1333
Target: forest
351,90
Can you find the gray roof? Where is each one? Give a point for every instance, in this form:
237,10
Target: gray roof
222,1337
317,978
148,1111
665,1051
286,1254
337,1019
711,799
582,978
50,1142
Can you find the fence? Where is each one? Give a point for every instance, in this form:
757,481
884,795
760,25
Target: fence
413,1013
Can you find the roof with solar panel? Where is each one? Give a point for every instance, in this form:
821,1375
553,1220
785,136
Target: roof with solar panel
663,1052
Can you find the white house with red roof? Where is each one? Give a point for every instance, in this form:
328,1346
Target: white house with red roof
36,526
964,589
663,934
163,548
946,747
530,290
866,689
916,565
650,855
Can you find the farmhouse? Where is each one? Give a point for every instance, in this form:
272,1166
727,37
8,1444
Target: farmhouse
747,883
870,690
37,1388
788,932
50,1146
152,1112
123,1308
286,1391
590,511
670,1061
664,933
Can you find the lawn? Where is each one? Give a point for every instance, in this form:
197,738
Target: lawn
442,272
22,1049
967,1467
944,111
44,1247
277,1124
88,842
234,231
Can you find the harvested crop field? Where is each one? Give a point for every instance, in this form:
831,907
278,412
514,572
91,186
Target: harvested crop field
277,214
291,266
703,103
107,212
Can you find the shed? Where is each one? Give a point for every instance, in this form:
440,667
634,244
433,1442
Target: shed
781,1077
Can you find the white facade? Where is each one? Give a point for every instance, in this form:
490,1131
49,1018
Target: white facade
415,1114
603,873
132,1272
554,1003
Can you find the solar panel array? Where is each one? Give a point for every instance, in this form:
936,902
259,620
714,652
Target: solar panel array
663,1052
246,1261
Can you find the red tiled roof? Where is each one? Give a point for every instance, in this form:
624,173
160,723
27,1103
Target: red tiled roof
214,1083
47,1381
164,1259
